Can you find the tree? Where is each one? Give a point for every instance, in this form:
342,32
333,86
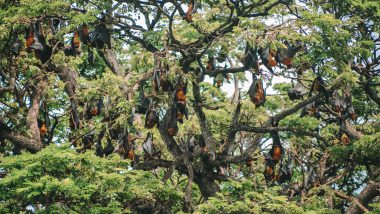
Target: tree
84,75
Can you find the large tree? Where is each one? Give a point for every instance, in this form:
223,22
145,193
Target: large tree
132,78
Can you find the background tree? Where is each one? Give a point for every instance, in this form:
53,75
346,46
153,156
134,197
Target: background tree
128,77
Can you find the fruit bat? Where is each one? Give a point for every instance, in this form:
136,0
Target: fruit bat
269,172
15,45
192,8
182,112
88,140
268,58
35,41
54,25
352,113
100,36
180,95
94,108
211,63
151,117
109,148
84,34
99,149
338,102
123,145
250,58
297,92
156,80
285,54
310,109
218,80
318,86
42,127
172,123
180,102
143,101
75,44
312,179
256,92
248,162
166,85
148,146
285,171
114,132
191,145
75,41
277,151
344,138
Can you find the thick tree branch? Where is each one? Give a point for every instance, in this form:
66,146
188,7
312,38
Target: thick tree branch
368,193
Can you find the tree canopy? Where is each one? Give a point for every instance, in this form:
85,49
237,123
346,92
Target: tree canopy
144,106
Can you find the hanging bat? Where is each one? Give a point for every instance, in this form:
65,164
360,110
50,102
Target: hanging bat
269,173
338,102
84,34
109,148
211,63
192,8
250,59
218,80
87,141
156,80
350,110
180,95
352,113
94,108
285,54
123,145
35,41
268,58
31,40
75,41
182,112
99,149
277,151
143,101
297,92
285,171
310,109
151,117
344,138
101,36
54,25
148,146
249,162
256,92
318,86
15,45
172,124
75,44
42,127
166,85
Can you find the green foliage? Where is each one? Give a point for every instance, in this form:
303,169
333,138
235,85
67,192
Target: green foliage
63,181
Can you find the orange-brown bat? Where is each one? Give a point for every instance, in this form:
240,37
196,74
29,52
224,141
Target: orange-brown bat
277,150
42,127
285,54
256,93
191,10
268,57
75,41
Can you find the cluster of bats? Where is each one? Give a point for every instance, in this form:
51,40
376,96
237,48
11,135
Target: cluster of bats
275,156
35,39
